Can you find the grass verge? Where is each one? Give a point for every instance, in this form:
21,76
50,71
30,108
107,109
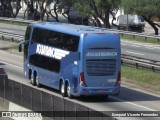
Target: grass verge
141,76
140,39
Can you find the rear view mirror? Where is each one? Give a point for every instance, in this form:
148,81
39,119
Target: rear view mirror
20,45
23,42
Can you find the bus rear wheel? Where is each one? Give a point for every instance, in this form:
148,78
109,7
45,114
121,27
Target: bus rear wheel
69,91
33,82
37,81
63,89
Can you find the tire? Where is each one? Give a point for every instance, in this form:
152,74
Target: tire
63,89
69,91
37,81
33,82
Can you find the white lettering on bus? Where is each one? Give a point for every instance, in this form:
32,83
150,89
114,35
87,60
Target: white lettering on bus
50,51
101,54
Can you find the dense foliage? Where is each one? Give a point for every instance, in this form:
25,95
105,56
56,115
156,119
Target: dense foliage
97,11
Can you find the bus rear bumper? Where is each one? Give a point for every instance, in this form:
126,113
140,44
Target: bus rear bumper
89,91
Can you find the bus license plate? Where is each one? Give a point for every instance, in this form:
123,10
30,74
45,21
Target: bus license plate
101,91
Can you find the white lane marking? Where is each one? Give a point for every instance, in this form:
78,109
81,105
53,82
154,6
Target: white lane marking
146,45
133,104
136,43
11,64
134,53
135,46
23,28
157,47
152,48
110,96
123,44
8,31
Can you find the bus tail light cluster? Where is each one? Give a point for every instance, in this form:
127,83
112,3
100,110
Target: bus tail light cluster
4,71
118,79
82,80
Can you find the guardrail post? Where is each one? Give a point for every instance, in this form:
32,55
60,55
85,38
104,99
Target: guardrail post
153,69
136,65
134,37
145,38
122,34
121,61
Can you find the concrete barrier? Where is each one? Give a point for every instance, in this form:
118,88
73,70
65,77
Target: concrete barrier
48,105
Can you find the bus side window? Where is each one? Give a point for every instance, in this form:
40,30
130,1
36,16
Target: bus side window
41,36
34,35
28,32
27,37
56,39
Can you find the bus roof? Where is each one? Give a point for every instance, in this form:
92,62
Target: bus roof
70,28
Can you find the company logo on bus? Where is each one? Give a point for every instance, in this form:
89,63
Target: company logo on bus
51,51
101,54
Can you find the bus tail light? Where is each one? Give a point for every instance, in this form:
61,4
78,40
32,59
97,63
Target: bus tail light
118,79
4,71
82,80
116,34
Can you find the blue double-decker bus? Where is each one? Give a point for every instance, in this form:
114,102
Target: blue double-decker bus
77,60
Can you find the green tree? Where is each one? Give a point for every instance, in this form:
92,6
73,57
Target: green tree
146,8
98,9
29,9
65,6
7,8
33,5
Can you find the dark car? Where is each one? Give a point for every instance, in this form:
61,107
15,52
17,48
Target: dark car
3,75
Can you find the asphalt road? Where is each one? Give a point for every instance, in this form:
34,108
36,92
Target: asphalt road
143,50
132,98
17,29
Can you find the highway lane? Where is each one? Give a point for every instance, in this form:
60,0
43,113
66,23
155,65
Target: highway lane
143,50
131,98
17,29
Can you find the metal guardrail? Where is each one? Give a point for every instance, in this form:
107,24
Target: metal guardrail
140,62
11,36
